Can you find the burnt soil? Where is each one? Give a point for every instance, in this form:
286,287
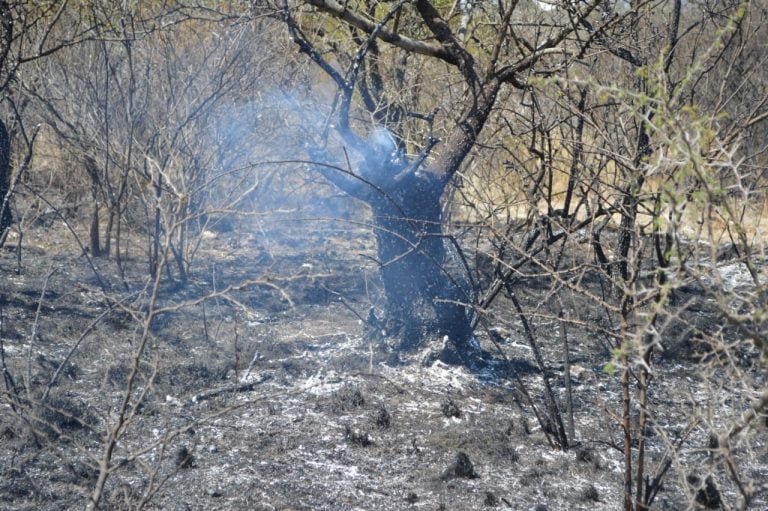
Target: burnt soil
271,397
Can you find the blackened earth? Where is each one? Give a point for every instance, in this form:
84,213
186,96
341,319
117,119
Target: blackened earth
272,398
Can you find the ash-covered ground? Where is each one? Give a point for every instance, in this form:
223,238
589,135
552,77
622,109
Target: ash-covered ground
271,397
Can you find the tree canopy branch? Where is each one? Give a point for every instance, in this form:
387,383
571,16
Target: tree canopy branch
356,20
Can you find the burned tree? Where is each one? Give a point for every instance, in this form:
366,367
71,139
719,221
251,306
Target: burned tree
403,193
5,174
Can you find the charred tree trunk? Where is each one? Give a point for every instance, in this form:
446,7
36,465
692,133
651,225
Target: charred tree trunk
94,234
423,298
6,219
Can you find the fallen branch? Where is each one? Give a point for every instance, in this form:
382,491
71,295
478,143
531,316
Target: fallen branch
240,387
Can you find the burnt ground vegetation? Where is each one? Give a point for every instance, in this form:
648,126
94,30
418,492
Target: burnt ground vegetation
277,395
554,299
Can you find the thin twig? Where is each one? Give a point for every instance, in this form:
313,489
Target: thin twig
554,410
33,333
